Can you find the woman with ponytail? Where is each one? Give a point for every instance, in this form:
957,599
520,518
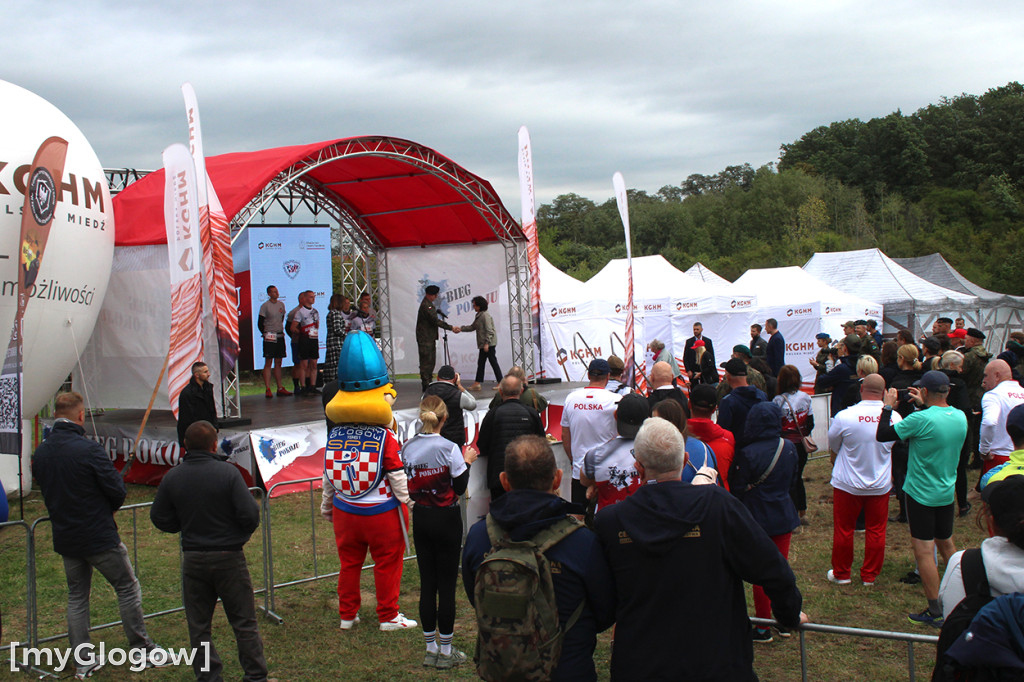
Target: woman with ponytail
438,472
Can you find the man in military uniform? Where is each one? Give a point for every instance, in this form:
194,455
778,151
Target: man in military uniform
975,359
427,324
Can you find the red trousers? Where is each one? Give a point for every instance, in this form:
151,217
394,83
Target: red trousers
762,604
993,462
845,510
382,535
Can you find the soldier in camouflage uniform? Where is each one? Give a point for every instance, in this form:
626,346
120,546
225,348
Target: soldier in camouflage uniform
427,324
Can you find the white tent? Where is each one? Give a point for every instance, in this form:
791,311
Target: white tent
804,306
998,314
910,301
702,272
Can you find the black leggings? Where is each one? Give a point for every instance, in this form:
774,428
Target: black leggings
437,534
797,492
484,356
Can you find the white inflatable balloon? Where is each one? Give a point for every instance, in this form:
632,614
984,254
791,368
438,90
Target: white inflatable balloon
72,280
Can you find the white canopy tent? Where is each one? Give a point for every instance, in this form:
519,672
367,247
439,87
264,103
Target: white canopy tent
910,301
804,306
702,272
997,314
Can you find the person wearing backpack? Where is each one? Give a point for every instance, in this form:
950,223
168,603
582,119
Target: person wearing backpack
1002,553
572,583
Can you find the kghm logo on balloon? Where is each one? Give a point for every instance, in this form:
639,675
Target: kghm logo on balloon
42,195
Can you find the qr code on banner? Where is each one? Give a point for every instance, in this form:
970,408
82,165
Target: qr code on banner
9,403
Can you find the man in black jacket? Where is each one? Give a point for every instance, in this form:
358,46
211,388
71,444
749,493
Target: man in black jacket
196,401
205,499
82,490
679,548
448,388
501,426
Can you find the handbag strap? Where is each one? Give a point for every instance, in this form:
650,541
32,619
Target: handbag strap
771,467
796,419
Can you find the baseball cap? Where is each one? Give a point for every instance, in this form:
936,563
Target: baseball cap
615,363
852,343
1005,499
735,367
447,372
932,344
933,380
699,343
599,367
740,348
705,396
957,333
630,414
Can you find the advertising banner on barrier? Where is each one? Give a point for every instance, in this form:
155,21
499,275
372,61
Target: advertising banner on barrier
293,259
158,450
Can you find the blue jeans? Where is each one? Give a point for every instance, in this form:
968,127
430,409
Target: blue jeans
113,565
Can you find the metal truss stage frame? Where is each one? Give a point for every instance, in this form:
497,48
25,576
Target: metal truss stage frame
363,257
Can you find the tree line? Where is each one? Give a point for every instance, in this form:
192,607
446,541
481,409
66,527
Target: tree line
947,178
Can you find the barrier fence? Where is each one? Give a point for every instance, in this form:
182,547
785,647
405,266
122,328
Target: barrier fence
908,637
270,585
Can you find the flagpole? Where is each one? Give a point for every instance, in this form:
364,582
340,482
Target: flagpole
619,185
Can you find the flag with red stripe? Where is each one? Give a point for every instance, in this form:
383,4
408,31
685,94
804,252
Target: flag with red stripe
528,204
631,368
184,253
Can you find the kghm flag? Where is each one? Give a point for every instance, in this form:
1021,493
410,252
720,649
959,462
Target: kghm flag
631,370
215,237
530,230
181,218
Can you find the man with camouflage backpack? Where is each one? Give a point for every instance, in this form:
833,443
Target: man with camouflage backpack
571,583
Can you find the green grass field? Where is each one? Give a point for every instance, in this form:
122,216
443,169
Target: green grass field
309,645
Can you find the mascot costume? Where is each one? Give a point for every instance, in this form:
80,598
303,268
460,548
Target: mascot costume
365,494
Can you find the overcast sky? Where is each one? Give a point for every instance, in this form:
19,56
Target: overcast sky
656,90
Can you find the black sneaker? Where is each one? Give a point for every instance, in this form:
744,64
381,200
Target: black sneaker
911,578
761,635
783,632
899,518
965,510
926,617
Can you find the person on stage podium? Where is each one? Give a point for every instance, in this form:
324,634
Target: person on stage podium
427,324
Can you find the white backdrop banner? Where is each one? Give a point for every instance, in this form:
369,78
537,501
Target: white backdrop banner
461,272
293,259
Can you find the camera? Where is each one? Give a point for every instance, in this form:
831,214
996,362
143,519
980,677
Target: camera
903,395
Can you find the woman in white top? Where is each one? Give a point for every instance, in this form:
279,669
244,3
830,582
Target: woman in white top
438,473
1003,553
797,422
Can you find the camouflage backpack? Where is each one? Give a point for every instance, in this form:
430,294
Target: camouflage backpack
518,634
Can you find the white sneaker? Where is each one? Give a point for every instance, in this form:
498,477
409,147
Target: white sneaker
399,622
88,671
349,624
833,579
157,657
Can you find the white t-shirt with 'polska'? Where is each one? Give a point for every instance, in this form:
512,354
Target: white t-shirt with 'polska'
863,465
589,414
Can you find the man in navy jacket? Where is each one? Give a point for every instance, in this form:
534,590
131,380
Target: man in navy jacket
678,548
82,490
775,354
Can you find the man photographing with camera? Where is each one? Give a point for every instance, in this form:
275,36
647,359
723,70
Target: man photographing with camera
934,433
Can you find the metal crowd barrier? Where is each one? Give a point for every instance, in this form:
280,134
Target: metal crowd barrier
35,640
270,603
907,637
30,591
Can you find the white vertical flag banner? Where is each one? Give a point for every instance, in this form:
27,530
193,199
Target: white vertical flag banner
619,185
215,234
181,219
530,230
